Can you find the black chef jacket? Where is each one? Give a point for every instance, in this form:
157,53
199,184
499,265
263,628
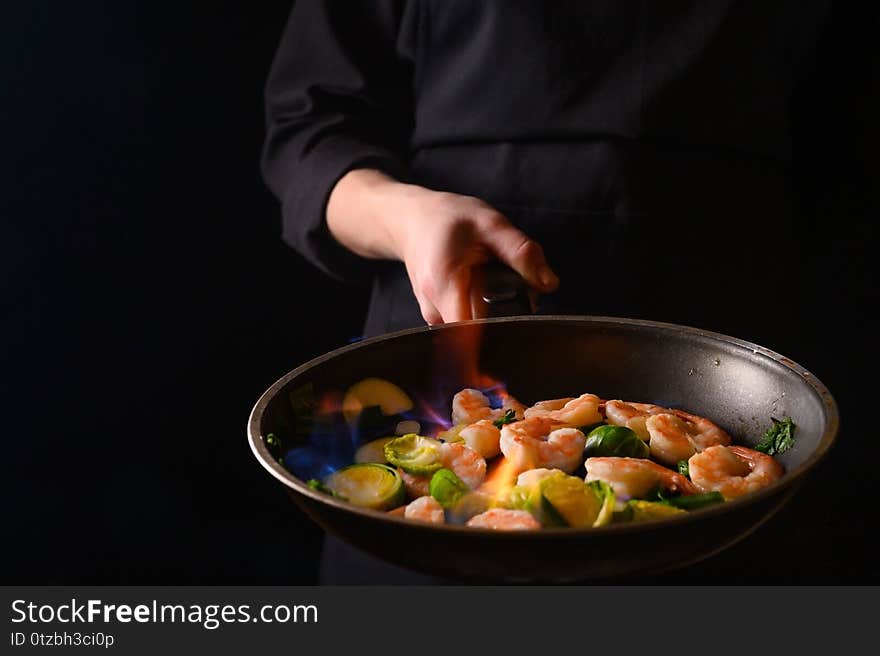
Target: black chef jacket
646,145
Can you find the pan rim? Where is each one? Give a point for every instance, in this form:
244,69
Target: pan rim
789,479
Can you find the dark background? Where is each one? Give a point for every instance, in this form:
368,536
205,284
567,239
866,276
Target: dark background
147,301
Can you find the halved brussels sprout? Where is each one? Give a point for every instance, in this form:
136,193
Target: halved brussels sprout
369,485
414,454
568,501
642,511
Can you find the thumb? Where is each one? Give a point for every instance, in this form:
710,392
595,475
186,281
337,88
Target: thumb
521,253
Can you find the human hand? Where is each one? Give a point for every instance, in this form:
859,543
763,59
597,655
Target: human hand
442,238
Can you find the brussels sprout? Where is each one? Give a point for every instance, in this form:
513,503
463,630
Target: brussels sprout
516,498
568,501
606,493
414,454
615,441
469,504
369,485
446,487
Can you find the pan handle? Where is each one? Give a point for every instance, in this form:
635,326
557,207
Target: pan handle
504,291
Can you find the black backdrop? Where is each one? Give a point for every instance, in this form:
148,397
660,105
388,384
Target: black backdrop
147,301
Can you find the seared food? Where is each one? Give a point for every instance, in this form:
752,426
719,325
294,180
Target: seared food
570,462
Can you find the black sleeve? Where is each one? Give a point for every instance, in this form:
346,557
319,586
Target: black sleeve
338,97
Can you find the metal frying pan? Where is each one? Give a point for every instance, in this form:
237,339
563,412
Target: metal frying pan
737,384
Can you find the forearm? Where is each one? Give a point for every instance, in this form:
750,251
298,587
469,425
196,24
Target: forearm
367,211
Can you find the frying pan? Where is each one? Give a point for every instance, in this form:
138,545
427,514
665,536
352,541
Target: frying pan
737,384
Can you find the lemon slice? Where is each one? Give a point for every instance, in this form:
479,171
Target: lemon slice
374,392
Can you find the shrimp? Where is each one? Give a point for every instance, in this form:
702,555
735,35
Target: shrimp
465,462
504,519
632,415
532,477
568,412
733,470
703,432
677,435
636,477
483,437
510,403
536,442
416,486
425,509
470,406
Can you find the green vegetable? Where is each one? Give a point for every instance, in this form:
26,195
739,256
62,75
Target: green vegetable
516,498
414,454
369,485
509,417
446,487
778,438
469,505
694,501
587,429
303,404
642,511
372,451
273,443
318,486
686,502
617,441
568,501
606,493
684,469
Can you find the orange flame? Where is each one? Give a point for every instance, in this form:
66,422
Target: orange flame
501,477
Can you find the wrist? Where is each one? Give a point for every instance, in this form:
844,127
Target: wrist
372,214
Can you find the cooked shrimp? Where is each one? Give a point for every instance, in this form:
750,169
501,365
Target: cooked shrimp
465,462
636,477
510,403
532,477
425,509
677,435
470,406
670,441
703,432
483,437
733,470
534,442
504,519
568,412
416,486
631,415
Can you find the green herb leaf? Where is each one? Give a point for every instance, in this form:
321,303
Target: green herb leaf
509,417
683,468
318,486
778,438
694,501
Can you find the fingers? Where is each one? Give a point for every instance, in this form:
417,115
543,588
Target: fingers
524,255
454,302
429,313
